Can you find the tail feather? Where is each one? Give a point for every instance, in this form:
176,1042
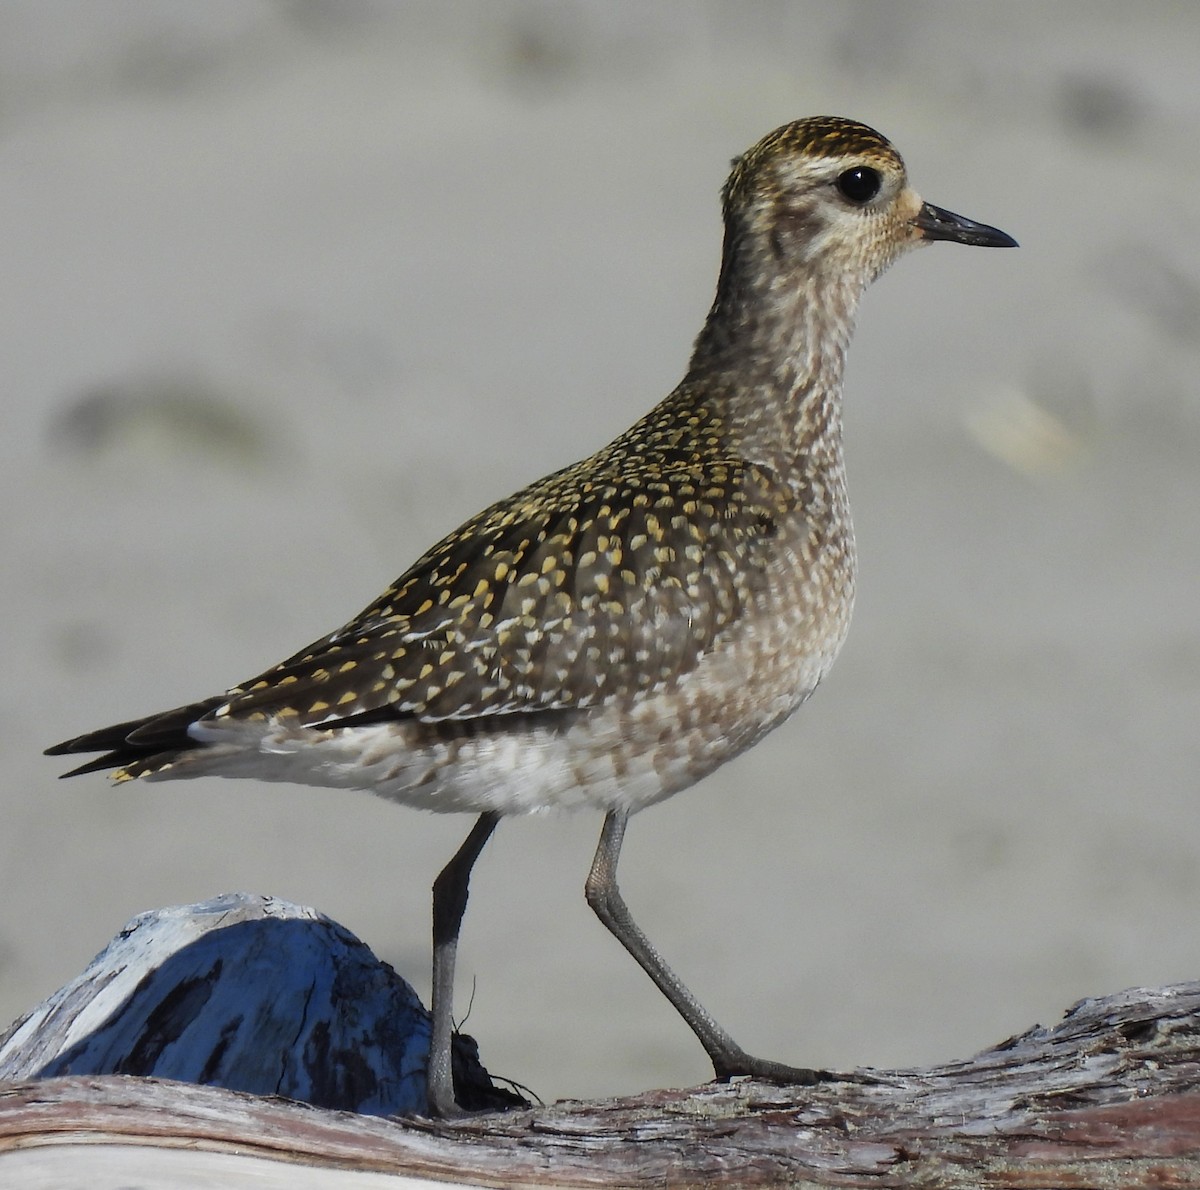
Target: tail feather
139,745
110,760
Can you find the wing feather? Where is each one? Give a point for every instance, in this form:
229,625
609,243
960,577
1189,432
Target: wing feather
558,599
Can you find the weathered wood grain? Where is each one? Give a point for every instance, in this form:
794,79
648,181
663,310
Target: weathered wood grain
1110,1097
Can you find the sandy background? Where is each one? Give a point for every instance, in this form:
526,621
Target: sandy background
288,289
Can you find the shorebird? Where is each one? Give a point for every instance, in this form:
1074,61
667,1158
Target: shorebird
615,631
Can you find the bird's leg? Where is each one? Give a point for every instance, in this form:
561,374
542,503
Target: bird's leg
603,895
449,903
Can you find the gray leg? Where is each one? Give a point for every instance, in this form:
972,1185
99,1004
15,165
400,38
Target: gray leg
449,903
728,1058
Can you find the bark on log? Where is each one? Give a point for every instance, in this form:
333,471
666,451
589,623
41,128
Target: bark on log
1110,1097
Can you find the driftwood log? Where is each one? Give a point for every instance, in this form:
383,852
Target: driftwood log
1110,1097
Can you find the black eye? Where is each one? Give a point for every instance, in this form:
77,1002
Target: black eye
860,184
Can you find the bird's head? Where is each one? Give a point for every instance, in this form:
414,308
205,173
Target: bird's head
829,197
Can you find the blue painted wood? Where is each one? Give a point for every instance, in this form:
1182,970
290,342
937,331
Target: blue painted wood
244,992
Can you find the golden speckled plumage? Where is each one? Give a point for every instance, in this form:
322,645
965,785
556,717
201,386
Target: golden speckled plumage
820,137
615,631
609,577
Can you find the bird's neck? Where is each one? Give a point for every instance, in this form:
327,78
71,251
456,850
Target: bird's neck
773,351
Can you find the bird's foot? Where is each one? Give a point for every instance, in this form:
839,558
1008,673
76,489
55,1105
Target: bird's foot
743,1065
449,1111
469,1090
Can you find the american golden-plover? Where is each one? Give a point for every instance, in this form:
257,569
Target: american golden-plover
615,631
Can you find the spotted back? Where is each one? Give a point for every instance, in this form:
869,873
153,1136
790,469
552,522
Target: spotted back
586,586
